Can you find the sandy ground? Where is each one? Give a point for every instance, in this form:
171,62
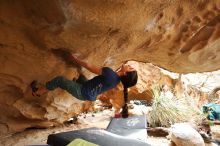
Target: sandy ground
100,120
39,136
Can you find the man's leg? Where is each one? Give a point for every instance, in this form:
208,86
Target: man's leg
70,86
81,79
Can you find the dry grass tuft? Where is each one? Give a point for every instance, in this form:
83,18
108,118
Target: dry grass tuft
167,109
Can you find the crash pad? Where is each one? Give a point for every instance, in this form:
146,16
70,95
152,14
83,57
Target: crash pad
94,135
132,127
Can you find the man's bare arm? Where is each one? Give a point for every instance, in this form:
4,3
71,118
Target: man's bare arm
94,69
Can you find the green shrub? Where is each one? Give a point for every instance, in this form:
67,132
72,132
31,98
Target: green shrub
167,110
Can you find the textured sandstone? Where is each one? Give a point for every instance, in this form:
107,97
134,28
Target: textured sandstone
181,36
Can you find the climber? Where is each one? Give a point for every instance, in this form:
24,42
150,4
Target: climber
84,89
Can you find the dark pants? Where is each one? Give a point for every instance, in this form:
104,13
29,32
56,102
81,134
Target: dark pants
73,87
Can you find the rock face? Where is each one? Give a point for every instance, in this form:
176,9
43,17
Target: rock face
182,134
181,36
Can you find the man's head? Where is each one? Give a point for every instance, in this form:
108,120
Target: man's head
128,75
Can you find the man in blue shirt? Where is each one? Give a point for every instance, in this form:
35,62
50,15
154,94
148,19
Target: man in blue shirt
106,79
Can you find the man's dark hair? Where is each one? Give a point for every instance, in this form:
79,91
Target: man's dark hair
128,80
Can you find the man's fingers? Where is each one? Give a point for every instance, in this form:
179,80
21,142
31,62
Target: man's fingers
76,55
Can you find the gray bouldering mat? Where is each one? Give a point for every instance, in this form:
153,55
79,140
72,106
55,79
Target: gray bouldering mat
93,135
132,127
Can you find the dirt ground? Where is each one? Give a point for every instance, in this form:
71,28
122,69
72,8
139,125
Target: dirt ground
100,120
39,136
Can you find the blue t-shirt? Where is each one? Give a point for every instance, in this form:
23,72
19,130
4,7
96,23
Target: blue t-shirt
101,83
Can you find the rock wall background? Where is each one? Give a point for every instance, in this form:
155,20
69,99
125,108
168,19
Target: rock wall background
181,36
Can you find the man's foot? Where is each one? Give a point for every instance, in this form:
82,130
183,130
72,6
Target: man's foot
34,88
